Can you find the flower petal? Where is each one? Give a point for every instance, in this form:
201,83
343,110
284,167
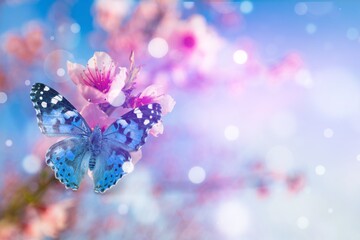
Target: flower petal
119,80
100,59
157,129
116,96
92,94
136,156
75,72
95,117
153,91
167,103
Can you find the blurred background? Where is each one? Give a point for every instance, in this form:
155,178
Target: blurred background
263,142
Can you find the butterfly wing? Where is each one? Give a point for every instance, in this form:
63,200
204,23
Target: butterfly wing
126,134
55,115
131,130
111,164
68,160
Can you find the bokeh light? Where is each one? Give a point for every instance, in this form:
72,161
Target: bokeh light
301,8
31,164
246,7
8,142
302,222
232,219
240,57
3,97
320,170
231,132
352,33
197,174
328,133
158,47
128,167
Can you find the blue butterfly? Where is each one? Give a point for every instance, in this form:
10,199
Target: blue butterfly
106,153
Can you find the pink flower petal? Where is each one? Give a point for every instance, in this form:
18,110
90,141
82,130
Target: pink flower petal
136,156
75,72
119,80
153,91
115,95
92,94
157,129
167,103
95,117
100,59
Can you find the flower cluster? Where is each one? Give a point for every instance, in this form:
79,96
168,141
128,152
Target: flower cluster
109,88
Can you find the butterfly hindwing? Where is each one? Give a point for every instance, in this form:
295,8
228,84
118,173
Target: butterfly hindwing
56,116
68,159
110,166
131,130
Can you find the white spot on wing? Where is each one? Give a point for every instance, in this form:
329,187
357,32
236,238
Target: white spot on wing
44,104
46,88
150,106
146,121
70,114
54,100
59,97
122,122
138,113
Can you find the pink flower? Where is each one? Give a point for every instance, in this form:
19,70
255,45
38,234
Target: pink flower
194,43
100,81
151,94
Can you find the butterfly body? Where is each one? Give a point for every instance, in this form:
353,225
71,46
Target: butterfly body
104,153
95,145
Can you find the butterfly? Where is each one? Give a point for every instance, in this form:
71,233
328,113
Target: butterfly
104,153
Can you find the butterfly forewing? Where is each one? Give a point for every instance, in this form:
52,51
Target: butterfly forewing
131,130
56,116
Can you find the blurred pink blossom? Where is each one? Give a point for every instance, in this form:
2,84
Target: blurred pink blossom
47,221
295,182
28,47
110,13
100,81
286,68
194,43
